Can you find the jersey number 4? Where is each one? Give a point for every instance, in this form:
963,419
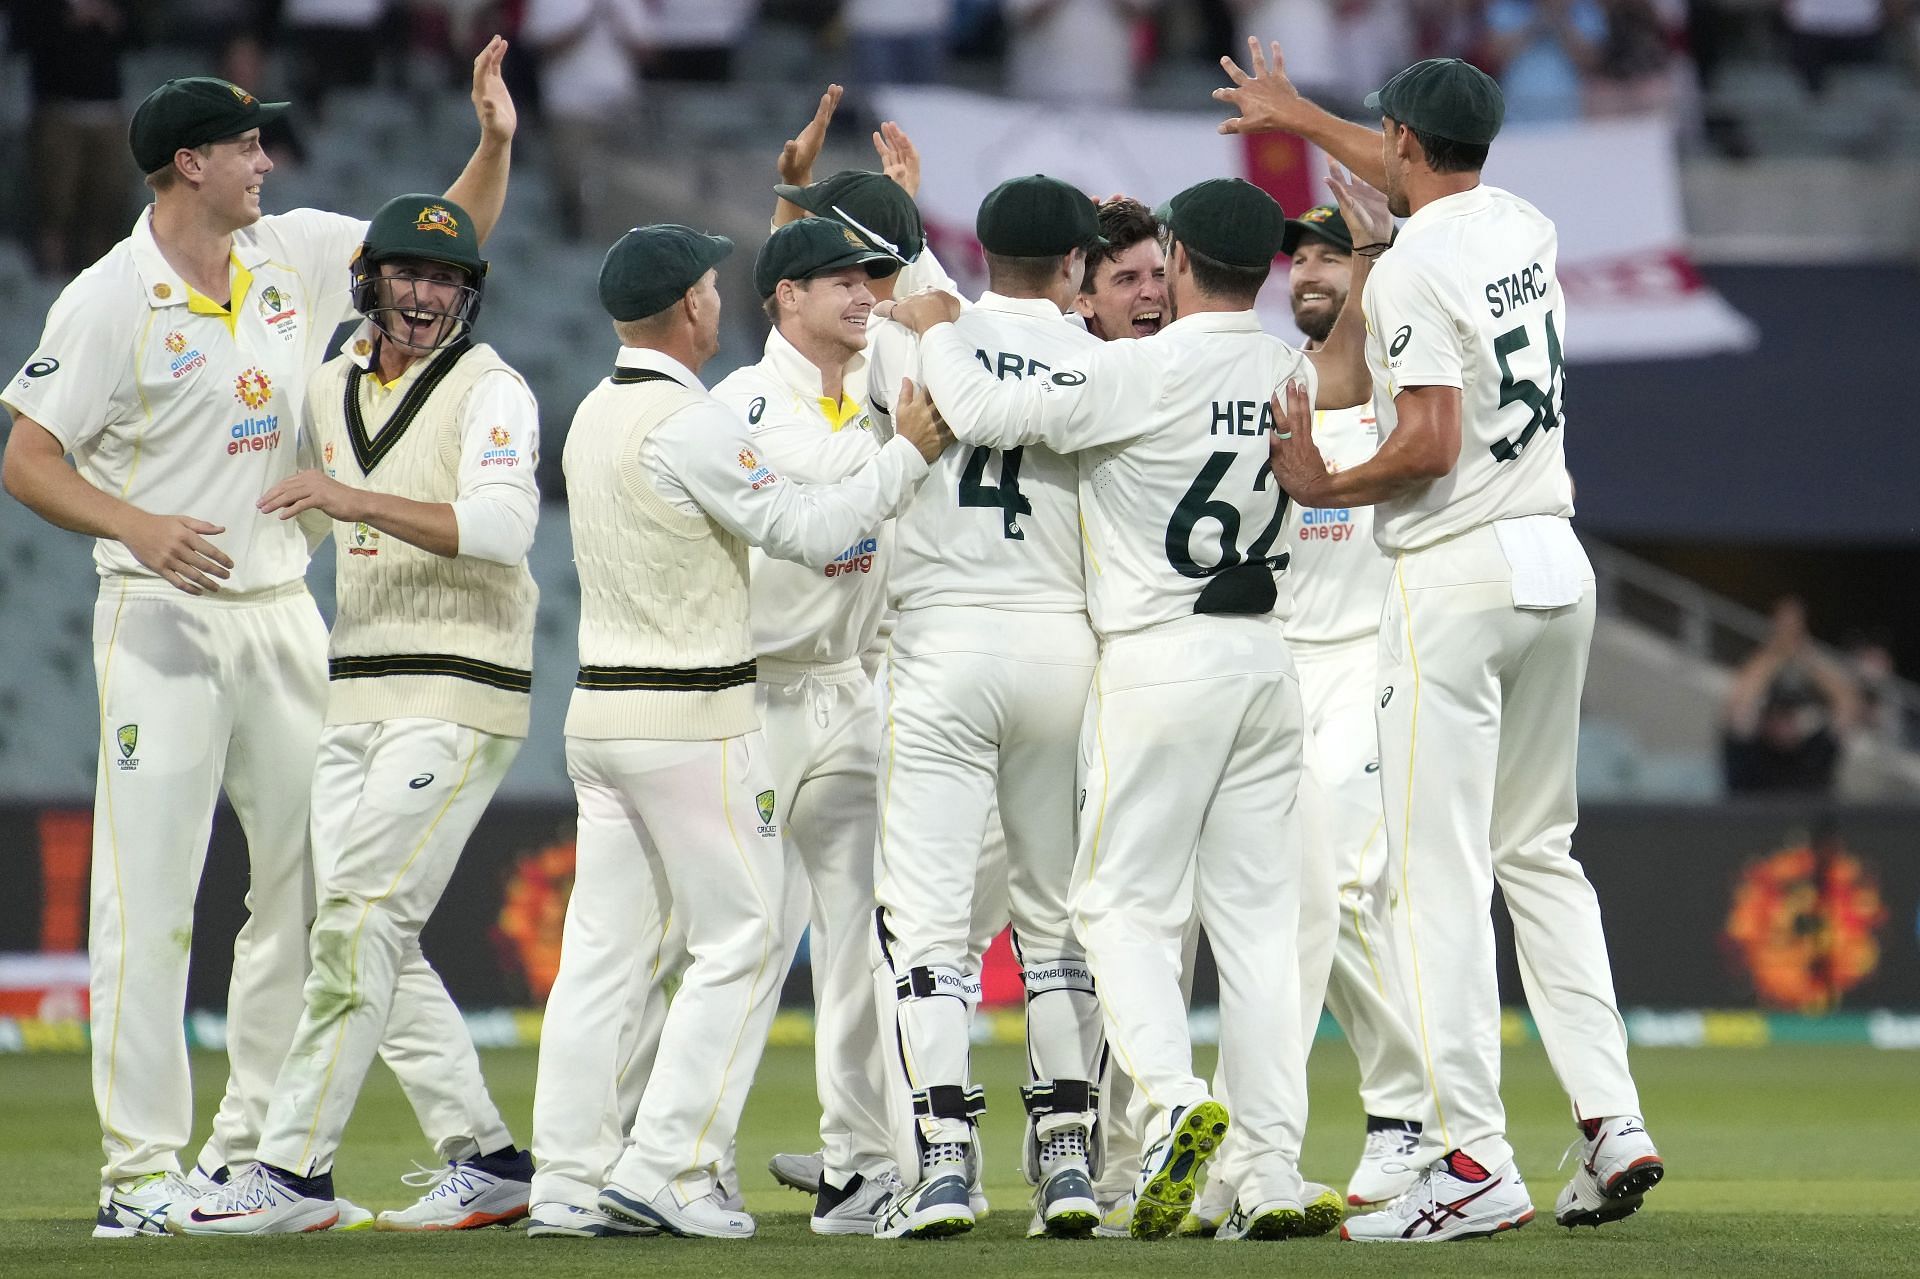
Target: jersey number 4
1546,412
1199,503
1005,495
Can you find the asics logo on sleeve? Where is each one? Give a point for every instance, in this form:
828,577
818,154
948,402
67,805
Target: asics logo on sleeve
421,782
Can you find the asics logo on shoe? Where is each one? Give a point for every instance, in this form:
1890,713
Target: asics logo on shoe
1436,1217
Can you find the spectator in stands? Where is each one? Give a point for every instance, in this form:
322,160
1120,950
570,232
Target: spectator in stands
1075,52
1823,34
895,43
1637,70
696,39
1338,51
336,44
589,88
1545,50
1788,713
80,192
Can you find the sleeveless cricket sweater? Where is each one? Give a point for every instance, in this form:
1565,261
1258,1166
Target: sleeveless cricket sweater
666,649
418,634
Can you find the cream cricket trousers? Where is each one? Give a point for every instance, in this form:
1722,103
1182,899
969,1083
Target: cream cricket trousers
690,812
1190,763
983,712
601,1032
1479,716
823,737
196,695
1346,943
398,799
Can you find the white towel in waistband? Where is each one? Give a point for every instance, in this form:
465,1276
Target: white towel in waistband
1549,565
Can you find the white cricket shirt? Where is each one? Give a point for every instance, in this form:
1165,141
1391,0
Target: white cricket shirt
1339,575
996,528
163,406
1173,433
806,613
1468,297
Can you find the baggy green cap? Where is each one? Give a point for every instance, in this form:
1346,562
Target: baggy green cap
1037,217
191,112
1229,220
1444,97
1323,221
815,246
651,267
871,203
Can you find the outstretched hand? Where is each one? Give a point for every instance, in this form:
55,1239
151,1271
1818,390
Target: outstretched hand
801,150
1364,207
899,159
491,101
1266,100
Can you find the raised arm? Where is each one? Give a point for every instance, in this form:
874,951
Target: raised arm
799,153
1267,102
1341,361
481,188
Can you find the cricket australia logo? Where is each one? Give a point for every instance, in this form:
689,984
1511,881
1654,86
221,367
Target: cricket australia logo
127,736
764,803
277,309
435,217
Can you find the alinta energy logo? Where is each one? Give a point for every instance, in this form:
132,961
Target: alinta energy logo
501,454
1804,924
256,432
182,358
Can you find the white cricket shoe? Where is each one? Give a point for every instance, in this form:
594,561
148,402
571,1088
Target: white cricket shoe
257,1202
1443,1204
202,1179
1322,1208
1171,1168
1617,1167
1211,1208
1387,1167
1115,1219
555,1220
465,1195
855,1208
352,1216
1275,1219
139,1209
701,1218
799,1172
936,1208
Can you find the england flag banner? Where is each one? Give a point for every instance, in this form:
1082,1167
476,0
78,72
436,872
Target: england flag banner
1612,187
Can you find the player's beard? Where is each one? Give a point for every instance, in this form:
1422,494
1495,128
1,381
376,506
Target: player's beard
1319,326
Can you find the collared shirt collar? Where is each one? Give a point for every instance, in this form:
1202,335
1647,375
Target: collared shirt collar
1471,200
160,284
800,373
1039,308
1214,322
645,357
358,346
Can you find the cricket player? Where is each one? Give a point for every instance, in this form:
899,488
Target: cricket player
1190,749
426,445
1482,647
674,778
173,371
810,627
989,665
1124,294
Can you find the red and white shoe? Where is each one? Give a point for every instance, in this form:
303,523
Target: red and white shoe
1618,1165
1454,1198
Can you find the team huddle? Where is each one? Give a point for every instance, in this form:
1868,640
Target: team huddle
1084,607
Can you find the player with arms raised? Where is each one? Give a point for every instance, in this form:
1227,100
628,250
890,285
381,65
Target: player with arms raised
1483,643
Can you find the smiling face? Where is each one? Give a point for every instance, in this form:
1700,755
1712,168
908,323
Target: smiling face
827,312
1321,275
420,303
229,174
1128,297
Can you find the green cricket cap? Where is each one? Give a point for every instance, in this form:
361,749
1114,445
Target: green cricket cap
871,203
1322,221
191,112
1229,220
1444,97
651,267
815,246
431,227
1037,217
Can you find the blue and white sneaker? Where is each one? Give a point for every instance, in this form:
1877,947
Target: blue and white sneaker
466,1194
139,1209
554,1220
1171,1167
262,1201
700,1218
936,1208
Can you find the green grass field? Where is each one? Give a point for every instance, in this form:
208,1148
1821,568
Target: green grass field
1786,1160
